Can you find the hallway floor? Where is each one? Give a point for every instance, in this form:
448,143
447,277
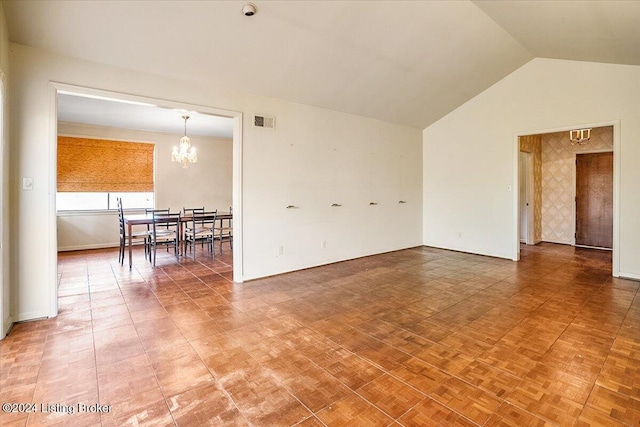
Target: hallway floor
417,337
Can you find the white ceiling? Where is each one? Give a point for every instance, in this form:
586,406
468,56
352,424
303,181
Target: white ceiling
407,62
75,108
597,31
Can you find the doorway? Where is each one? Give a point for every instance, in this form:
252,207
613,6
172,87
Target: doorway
557,167
164,104
594,200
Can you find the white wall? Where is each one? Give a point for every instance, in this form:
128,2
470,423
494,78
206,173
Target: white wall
313,158
470,154
206,183
5,297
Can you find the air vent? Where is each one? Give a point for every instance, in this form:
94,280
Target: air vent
264,122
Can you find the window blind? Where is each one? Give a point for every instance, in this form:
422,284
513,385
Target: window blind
90,165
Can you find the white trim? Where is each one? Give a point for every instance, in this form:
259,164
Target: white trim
516,200
5,318
31,315
97,212
56,87
559,242
7,324
632,276
522,239
52,261
531,196
300,267
616,199
529,239
86,247
616,185
237,200
593,247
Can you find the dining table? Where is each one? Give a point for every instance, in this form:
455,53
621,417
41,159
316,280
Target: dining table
131,220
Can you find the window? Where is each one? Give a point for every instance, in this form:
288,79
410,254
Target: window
84,201
93,173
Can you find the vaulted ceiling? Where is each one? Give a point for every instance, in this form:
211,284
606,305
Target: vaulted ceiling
406,62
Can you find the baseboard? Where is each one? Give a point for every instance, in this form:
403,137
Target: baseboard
8,324
294,268
469,251
87,247
31,315
559,242
631,276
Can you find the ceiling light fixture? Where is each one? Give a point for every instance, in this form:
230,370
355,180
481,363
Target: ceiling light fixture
186,153
579,136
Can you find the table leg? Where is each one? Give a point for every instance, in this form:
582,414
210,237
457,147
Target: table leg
129,229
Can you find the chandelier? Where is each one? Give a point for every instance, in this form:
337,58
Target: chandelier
579,136
185,153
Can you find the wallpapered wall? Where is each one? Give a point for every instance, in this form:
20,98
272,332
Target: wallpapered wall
558,181
533,144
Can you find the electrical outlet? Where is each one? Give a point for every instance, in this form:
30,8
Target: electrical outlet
280,250
323,244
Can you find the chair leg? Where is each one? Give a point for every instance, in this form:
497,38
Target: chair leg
121,251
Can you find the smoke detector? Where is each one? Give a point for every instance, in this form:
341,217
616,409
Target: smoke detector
249,9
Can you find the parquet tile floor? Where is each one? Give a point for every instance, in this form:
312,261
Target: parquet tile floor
418,337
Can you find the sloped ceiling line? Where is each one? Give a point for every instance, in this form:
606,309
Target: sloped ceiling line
405,62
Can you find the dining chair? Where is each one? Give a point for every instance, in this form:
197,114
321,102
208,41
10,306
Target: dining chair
188,212
165,231
200,228
191,211
150,211
136,236
224,231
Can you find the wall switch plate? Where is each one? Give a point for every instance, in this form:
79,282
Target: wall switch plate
27,183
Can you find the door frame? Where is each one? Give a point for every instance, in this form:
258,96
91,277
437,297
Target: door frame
5,283
237,116
529,239
575,183
616,185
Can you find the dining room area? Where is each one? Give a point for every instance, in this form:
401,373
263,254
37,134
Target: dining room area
125,168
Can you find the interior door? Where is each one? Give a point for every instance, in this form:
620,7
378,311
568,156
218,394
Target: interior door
594,200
